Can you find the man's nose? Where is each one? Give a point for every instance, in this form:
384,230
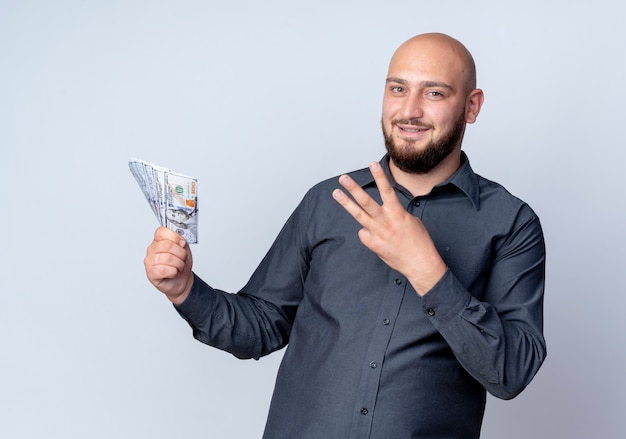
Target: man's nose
412,107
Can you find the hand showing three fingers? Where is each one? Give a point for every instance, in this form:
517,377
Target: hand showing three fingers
392,233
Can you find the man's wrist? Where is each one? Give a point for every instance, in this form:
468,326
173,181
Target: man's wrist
180,298
425,281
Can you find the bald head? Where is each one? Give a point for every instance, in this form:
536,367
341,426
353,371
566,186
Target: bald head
441,50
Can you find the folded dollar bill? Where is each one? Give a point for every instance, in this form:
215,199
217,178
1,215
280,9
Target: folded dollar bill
172,196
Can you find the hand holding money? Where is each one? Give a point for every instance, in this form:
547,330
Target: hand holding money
172,196
168,264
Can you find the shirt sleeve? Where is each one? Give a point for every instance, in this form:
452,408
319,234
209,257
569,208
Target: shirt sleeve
498,339
258,319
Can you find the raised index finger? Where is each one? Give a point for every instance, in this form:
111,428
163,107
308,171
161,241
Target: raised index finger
363,207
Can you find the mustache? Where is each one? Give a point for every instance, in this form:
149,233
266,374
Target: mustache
411,122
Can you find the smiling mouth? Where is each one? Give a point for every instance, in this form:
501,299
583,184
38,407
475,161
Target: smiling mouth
411,126
412,129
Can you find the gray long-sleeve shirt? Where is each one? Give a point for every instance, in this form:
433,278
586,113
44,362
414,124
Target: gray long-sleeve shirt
367,357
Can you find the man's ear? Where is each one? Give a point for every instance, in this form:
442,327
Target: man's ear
473,104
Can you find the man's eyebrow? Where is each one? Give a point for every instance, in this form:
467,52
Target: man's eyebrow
423,83
398,80
436,84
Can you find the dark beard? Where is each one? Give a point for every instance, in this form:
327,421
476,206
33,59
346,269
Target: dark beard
422,162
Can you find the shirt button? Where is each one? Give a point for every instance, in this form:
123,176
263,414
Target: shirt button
364,411
431,311
398,281
373,365
416,203
385,322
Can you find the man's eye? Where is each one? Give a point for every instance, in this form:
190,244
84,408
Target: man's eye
397,89
435,94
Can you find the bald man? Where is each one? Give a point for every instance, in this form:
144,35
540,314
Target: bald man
404,294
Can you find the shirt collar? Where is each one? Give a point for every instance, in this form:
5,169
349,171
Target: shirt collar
464,179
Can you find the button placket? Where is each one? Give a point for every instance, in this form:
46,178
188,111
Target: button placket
416,206
372,368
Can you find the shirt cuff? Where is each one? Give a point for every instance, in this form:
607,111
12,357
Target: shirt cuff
198,304
446,299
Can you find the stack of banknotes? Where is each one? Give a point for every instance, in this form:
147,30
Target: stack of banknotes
172,196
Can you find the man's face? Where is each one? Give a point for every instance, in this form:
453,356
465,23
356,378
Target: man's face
424,111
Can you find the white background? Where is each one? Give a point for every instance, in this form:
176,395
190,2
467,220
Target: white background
260,100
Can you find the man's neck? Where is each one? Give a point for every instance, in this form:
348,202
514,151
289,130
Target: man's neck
423,184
